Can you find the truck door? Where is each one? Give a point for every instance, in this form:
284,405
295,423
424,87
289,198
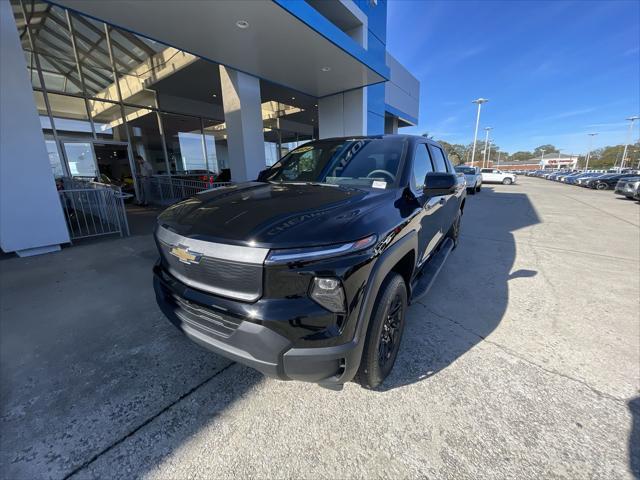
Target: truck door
449,202
490,175
432,208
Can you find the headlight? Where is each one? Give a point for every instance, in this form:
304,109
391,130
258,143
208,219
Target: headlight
328,292
316,253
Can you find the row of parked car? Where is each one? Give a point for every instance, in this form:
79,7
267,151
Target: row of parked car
475,177
626,183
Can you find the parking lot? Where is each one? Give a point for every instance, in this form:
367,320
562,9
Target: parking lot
521,362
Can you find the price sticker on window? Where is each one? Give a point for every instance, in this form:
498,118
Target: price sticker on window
303,149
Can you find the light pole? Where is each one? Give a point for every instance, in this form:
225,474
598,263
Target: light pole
478,102
626,145
542,158
586,163
559,158
489,153
486,141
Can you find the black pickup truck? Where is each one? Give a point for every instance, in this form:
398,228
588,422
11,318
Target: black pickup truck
307,273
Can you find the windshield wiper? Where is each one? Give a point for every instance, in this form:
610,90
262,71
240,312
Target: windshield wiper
315,184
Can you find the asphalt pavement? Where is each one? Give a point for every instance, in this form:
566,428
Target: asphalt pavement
523,361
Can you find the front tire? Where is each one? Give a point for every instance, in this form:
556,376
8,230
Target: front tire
601,186
507,181
478,188
385,332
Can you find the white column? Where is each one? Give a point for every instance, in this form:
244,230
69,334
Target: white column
343,114
390,124
243,117
31,218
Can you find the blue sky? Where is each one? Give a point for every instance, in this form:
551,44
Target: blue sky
552,70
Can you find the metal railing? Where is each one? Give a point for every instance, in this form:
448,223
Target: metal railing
93,209
165,190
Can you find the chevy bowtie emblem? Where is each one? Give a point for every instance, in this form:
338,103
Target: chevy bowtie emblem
185,255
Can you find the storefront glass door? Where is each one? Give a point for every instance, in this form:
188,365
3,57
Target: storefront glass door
81,159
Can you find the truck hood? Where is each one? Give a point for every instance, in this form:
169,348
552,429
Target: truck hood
280,215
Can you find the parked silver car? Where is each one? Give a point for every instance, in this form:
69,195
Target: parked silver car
629,187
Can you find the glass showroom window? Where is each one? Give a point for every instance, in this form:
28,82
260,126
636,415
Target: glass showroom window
93,55
185,149
146,140
271,142
107,120
70,115
292,140
54,159
216,145
52,43
138,62
81,159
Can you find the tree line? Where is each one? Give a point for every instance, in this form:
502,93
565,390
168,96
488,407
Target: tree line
601,158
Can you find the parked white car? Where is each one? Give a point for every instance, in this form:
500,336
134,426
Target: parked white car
493,175
472,177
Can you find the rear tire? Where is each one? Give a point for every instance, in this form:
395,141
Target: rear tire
507,181
384,333
601,186
478,188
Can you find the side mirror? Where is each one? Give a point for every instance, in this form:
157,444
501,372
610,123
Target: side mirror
438,183
264,175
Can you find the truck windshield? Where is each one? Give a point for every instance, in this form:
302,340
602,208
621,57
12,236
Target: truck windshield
357,162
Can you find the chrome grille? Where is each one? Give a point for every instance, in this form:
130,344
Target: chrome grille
217,268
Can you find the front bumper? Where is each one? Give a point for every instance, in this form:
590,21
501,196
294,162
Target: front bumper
248,342
626,192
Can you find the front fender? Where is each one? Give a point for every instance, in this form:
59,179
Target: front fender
383,265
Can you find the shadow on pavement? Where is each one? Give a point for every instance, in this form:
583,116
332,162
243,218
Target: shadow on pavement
634,437
142,220
477,273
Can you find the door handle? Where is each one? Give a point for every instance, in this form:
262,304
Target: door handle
442,201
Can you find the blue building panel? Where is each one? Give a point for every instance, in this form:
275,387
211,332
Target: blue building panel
375,124
402,115
315,20
375,99
376,12
376,48
374,56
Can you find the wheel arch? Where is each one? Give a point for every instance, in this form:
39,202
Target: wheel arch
405,268
389,261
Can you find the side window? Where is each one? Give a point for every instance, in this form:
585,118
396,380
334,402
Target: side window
421,166
438,159
450,167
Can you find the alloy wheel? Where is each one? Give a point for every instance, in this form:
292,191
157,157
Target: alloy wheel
389,337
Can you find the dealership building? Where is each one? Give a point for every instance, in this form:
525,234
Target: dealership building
554,161
88,88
